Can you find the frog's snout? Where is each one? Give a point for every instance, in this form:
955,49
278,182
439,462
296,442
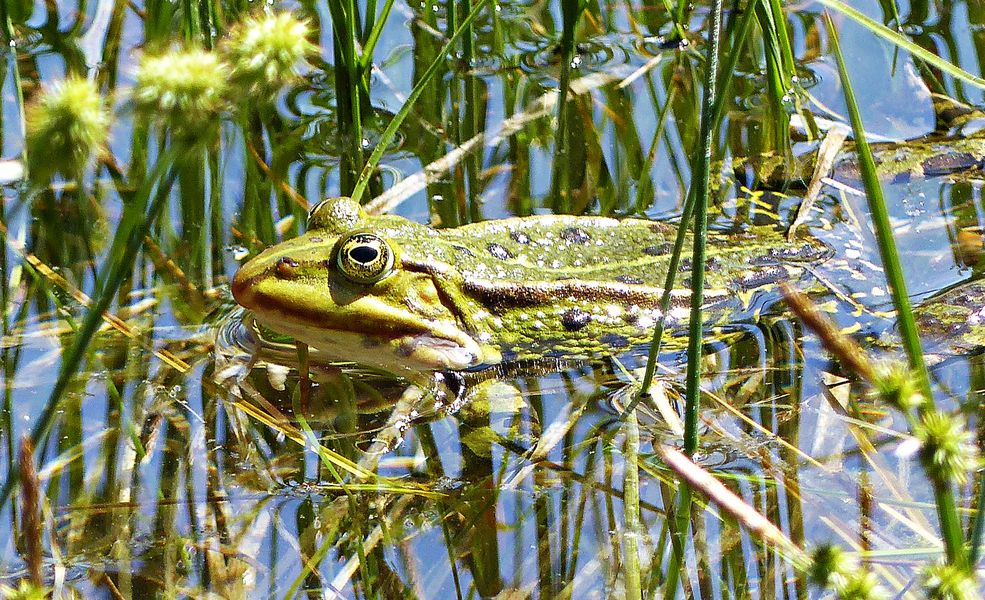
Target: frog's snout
243,287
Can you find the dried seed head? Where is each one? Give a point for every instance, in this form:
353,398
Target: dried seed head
948,451
184,91
265,52
67,125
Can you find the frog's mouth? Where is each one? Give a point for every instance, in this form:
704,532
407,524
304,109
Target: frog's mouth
367,331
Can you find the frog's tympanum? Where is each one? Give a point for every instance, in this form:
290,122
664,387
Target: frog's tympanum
394,294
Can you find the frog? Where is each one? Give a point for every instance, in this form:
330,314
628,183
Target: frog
400,296
955,148
953,320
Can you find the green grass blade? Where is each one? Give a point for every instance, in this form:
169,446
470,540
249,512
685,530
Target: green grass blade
978,524
164,176
946,508
700,178
374,35
897,38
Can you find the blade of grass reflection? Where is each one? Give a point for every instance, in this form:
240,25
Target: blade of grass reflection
435,471
44,273
779,74
437,169
130,237
11,52
631,509
561,191
300,400
391,129
679,30
646,197
946,506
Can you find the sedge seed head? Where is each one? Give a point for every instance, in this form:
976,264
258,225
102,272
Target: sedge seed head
832,568
184,91
827,564
265,52
948,582
947,450
861,585
896,385
67,125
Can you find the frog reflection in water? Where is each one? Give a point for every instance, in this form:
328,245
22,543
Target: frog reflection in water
386,292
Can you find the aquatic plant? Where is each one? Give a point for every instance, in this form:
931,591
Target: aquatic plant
65,128
832,568
265,52
947,450
947,582
184,91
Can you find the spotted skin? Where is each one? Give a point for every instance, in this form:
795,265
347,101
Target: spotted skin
511,289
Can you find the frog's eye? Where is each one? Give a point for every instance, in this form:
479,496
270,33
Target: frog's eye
365,258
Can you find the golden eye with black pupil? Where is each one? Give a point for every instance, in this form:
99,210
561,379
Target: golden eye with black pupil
364,258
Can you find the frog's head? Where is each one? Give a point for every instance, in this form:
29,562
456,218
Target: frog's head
344,288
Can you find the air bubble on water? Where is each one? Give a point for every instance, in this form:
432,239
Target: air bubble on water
364,143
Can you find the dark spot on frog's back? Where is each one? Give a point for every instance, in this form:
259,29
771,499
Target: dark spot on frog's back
499,251
574,319
520,238
464,251
805,253
661,250
614,340
761,277
575,235
945,163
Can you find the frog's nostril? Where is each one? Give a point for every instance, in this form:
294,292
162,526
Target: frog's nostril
286,267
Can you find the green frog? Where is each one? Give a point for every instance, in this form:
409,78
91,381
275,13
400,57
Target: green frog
390,293
956,148
955,318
